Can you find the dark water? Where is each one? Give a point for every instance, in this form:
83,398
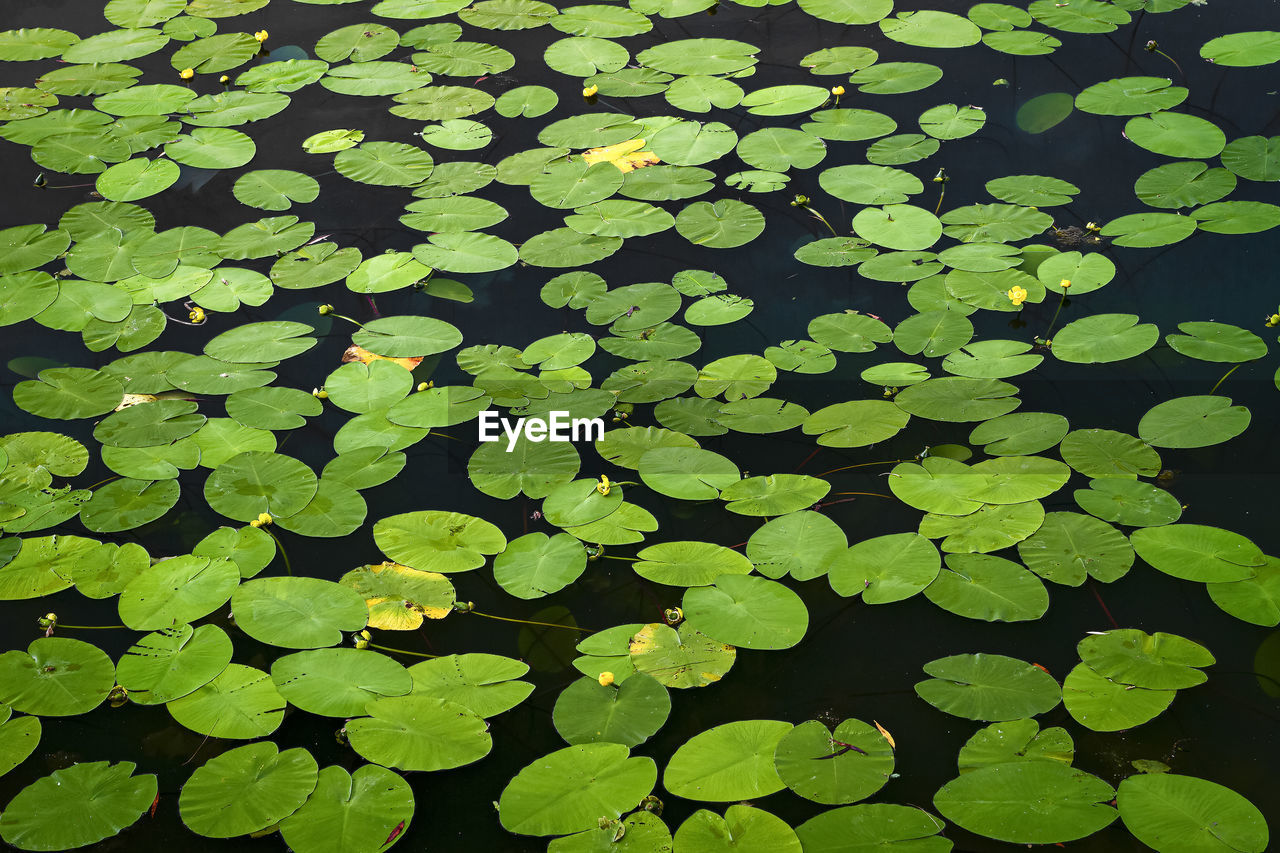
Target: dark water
856,660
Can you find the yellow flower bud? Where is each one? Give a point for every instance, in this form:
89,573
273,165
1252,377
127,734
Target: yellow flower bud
187,73
422,386
320,393
590,91
264,518
837,90
603,486
606,678
1065,283
224,79
197,315
260,35
325,309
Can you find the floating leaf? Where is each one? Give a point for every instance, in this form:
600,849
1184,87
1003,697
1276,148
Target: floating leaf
77,806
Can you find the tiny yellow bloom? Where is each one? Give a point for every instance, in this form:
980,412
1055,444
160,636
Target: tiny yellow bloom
260,35
324,309
320,393
264,518
423,386
603,486
590,91
197,315
361,640
837,90
224,79
187,73
1017,295
1092,226
606,678
1065,283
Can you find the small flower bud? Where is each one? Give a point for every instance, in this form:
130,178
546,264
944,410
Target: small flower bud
325,309
837,90
605,679
187,73
590,91
260,36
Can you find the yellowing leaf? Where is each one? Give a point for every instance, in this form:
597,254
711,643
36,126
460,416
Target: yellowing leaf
886,734
362,355
135,399
627,156
400,597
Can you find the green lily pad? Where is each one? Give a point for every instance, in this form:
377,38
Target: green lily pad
354,812
1028,802
1198,552
77,806
988,687
734,761
171,663
570,789
846,775
1168,812
748,612
628,713
1193,422
55,677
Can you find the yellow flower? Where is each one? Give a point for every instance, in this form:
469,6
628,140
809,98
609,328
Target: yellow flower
197,315
260,35
423,386
1092,226
606,678
362,639
590,91
324,309
320,393
263,519
187,73
837,90
1065,283
603,486
224,79
1017,295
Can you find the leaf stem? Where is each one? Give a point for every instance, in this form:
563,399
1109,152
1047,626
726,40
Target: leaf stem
862,465
818,216
288,567
1053,322
1224,377
402,651
530,622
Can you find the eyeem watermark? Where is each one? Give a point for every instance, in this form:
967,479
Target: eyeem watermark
556,426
